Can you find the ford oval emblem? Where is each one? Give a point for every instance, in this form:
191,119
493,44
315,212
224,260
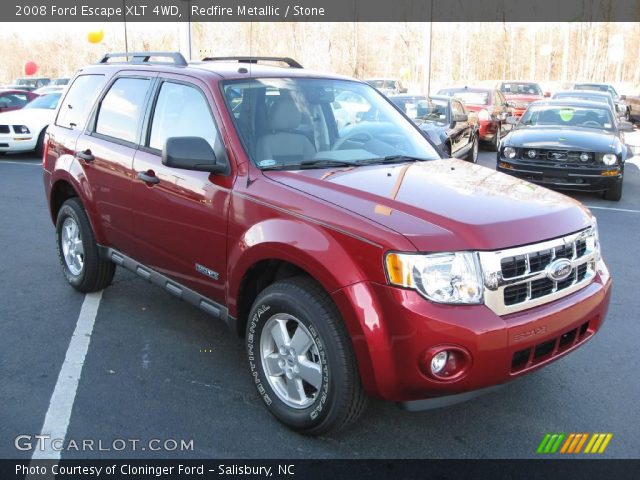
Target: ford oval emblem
559,269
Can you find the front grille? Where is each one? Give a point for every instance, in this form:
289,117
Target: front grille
531,356
4,129
557,157
523,277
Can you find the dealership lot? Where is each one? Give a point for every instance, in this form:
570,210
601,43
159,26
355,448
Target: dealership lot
157,368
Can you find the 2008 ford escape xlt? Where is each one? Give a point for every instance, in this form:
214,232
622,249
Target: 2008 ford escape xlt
350,256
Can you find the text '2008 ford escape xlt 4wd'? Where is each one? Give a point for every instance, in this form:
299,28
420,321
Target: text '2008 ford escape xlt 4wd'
353,260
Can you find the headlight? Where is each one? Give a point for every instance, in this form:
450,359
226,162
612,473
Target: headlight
483,115
509,152
609,159
441,277
21,129
593,240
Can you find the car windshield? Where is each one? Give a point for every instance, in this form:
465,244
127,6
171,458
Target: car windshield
597,87
521,89
317,123
382,83
468,96
47,101
569,116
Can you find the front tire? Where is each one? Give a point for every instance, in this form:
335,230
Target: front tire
301,358
495,145
614,194
78,251
40,144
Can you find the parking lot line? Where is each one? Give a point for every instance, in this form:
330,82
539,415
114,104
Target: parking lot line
628,210
58,414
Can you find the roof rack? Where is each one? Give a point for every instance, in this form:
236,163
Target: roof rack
145,57
289,61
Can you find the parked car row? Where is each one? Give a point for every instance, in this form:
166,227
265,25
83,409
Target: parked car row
30,84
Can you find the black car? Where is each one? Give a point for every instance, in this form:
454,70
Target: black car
445,121
568,145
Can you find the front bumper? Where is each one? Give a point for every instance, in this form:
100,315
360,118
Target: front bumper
18,142
580,179
392,328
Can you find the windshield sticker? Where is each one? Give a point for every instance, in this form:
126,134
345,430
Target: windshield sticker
267,163
566,114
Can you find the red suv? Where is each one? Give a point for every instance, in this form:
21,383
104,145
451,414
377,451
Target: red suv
354,261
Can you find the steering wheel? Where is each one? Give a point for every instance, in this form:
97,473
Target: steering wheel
349,136
592,123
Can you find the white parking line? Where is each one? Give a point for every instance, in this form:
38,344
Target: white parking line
628,210
58,415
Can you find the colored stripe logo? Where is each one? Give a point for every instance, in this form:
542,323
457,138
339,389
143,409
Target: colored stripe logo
573,443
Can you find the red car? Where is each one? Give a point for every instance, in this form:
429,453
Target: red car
354,262
491,108
14,99
521,94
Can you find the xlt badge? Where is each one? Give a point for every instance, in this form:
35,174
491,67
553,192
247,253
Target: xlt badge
207,271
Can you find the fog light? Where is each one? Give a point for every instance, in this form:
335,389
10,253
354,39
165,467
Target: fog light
584,157
439,361
532,154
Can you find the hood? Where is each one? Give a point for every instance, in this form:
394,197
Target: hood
30,116
566,138
516,97
444,205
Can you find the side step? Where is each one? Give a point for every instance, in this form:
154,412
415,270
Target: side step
174,288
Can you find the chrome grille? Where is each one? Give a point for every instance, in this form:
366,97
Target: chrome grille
557,157
519,278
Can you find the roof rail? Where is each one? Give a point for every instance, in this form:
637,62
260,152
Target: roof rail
289,61
145,57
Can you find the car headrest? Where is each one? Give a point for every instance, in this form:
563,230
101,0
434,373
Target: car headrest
284,115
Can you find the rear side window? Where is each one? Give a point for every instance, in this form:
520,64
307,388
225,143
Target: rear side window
79,100
181,111
122,108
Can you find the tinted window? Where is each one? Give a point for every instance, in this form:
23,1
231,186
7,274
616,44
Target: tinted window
79,100
122,108
13,100
181,111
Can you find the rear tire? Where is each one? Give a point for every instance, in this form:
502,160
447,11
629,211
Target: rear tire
301,358
614,194
495,145
78,251
473,152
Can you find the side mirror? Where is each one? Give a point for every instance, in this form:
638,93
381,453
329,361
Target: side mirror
511,120
547,94
191,153
626,127
404,90
460,117
623,97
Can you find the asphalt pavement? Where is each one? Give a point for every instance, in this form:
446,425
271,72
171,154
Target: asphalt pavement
158,368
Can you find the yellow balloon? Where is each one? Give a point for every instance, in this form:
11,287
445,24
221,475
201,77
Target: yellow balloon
95,36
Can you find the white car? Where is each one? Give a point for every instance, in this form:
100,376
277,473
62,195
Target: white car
23,130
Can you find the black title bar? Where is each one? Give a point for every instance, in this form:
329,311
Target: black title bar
320,10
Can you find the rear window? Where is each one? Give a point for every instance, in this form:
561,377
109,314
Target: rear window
122,107
80,98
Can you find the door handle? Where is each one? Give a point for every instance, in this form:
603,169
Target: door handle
86,155
148,177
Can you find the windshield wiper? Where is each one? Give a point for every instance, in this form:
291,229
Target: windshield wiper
390,159
318,163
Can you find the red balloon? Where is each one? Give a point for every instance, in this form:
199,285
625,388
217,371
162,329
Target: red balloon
30,68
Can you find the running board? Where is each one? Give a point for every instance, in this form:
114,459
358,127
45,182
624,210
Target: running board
174,288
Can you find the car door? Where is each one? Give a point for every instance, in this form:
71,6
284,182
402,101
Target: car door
105,151
180,216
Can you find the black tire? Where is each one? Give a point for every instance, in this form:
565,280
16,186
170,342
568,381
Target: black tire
40,145
472,156
340,400
614,194
96,273
495,145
